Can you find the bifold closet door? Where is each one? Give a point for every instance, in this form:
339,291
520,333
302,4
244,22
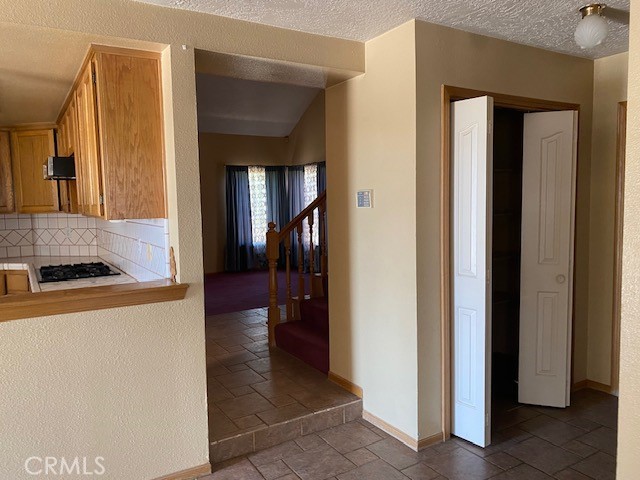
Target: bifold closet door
548,205
472,158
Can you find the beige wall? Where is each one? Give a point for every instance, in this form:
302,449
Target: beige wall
216,151
452,57
385,309
629,410
307,141
371,132
610,87
306,144
129,384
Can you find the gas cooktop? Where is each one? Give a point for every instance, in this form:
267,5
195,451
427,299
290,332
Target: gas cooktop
62,273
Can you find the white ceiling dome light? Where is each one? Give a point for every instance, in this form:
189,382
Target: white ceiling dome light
593,28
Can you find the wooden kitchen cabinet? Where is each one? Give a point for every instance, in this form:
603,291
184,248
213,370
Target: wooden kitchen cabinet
6,177
120,145
67,135
29,152
13,282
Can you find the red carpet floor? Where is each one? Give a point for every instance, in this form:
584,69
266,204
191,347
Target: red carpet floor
234,292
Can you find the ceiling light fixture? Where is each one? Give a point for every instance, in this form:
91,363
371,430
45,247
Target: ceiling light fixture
593,28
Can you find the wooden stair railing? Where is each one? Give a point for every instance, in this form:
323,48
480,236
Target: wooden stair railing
283,237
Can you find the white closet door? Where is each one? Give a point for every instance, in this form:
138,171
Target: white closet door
548,193
472,158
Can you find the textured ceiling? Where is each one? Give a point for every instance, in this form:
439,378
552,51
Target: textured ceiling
247,107
547,24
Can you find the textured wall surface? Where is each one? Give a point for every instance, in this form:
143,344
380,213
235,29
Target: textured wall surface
130,384
371,141
629,413
547,24
609,88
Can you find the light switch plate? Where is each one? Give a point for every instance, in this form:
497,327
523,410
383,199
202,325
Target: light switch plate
364,198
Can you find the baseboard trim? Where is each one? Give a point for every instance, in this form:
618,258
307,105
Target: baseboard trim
601,387
346,384
427,442
189,474
405,438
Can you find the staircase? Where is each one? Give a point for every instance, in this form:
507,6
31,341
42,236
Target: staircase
305,331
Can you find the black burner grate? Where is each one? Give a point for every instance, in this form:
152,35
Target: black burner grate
62,273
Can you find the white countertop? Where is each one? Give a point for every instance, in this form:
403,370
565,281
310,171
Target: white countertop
33,263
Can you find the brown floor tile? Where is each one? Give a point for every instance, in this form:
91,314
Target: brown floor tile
376,470
243,406
360,456
315,401
395,453
238,368
579,448
282,400
277,469
503,460
522,472
583,423
322,420
241,391
543,455
599,466
570,474
282,414
348,437
229,448
603,438
551,429
239,379
234,470
232,340
307,442
461,464
250,421
319,463
278,452
421,472
277,434
235,358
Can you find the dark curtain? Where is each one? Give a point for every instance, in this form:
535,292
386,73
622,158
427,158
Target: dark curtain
322,177
295,190
239,250
277,202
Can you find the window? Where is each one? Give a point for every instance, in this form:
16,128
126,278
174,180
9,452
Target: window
258,201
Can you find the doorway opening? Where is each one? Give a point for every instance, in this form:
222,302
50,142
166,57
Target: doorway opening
506,252
490,234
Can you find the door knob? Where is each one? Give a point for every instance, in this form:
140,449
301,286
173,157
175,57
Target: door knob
561,278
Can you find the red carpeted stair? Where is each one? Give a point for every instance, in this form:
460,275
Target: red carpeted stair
308,338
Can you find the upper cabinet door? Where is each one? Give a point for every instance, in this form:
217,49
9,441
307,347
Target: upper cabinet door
29,152
6,182
87,154
129,102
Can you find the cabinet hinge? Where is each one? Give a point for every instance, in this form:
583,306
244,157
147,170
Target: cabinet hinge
93,77
101,199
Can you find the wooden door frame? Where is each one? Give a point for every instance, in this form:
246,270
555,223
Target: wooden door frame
617,245
449,94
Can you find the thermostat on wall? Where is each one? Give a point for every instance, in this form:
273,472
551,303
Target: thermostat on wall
365,199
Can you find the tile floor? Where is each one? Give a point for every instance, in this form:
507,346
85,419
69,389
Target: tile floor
529,443
259,397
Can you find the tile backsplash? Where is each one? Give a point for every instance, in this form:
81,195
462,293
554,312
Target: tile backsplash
140,248
55,235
